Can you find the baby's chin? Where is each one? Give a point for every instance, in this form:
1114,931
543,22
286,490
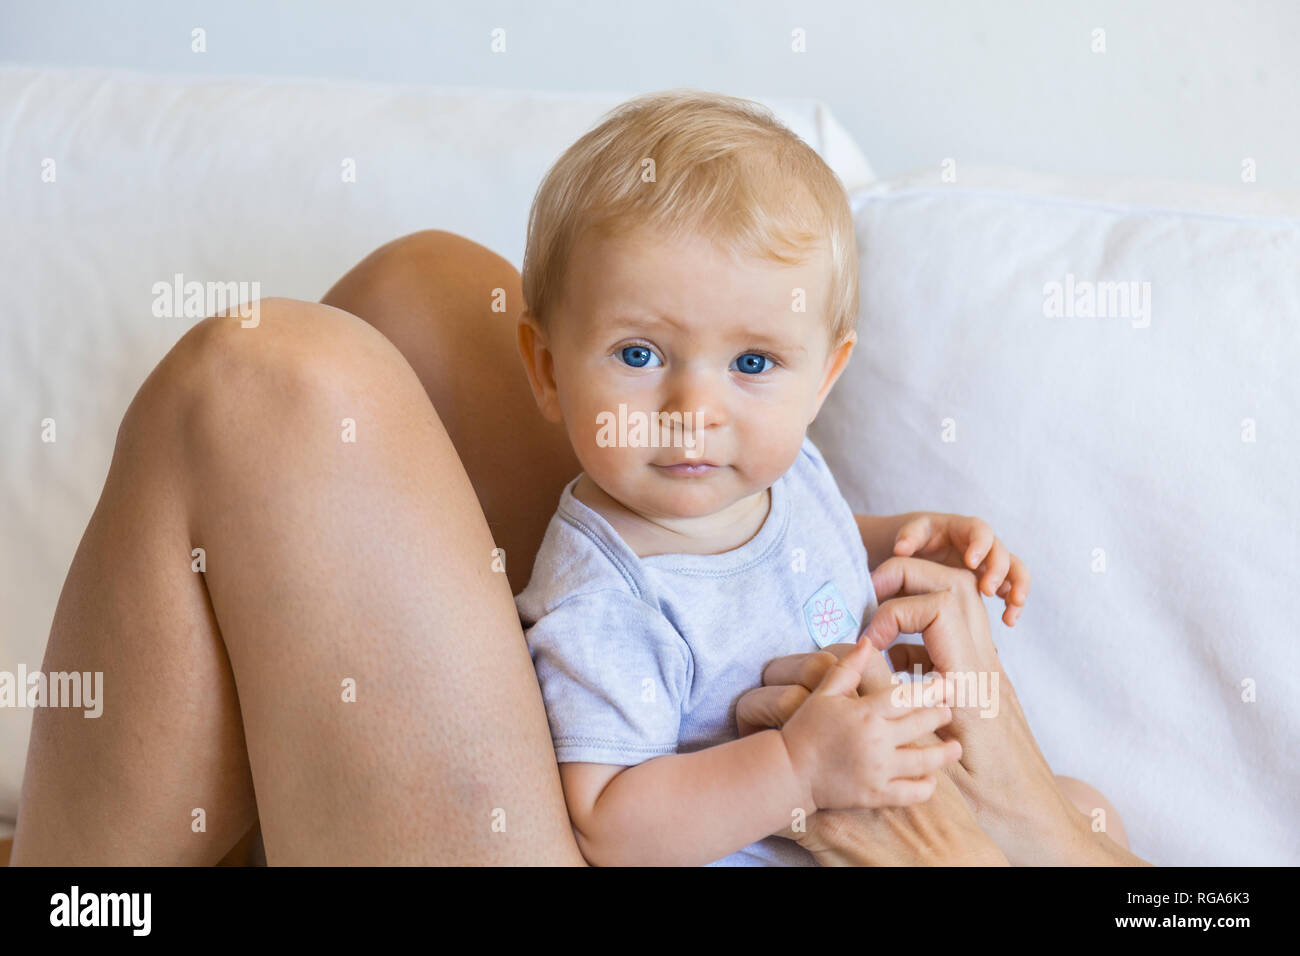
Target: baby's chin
683,498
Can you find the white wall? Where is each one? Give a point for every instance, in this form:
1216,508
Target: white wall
1186,89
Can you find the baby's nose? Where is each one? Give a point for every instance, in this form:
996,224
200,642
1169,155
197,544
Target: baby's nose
698,400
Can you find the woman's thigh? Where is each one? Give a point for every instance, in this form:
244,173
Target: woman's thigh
346,649
451,306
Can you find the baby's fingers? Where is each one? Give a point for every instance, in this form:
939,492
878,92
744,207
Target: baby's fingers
996,566
922,761
976,538
914,535
1018,577
1014,590
916,725
906,697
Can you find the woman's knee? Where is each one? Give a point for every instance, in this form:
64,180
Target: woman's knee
450,306
290,406
293,347
228,374
438,273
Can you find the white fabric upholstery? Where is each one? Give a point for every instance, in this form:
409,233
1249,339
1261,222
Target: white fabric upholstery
1075,435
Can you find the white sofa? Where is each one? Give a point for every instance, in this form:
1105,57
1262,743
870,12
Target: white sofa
1072,434
1145,465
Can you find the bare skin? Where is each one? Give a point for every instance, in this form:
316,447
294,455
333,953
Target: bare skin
1000,803
326,560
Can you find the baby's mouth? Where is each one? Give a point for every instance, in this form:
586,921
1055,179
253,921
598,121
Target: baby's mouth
689,469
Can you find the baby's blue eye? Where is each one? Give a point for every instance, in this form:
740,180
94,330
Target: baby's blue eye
638,356
752,363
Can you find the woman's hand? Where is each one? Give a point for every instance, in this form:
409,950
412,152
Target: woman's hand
939,832
1002,773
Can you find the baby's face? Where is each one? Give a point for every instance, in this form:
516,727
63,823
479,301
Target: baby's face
664,326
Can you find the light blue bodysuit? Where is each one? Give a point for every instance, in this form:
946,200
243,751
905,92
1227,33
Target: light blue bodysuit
640,657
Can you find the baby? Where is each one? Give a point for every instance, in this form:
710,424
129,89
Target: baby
691,280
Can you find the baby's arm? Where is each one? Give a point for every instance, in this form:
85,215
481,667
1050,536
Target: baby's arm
879,533
838,751
683,809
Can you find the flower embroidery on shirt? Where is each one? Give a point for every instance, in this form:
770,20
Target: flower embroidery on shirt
827,616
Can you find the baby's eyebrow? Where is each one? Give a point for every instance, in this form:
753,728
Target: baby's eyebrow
620,322
750,338
776,345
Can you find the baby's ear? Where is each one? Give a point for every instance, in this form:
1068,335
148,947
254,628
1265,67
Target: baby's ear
539,365
836,362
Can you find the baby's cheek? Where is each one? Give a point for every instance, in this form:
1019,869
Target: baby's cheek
771,454
591,414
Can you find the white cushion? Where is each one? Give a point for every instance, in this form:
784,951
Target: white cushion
1078,435
217,179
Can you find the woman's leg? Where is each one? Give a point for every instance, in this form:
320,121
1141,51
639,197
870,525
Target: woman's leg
451,306
330,564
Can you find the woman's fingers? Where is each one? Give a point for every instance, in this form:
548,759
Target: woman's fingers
806,670
905,657
876,674
899,575
941,604
768,707
846,674
937,618
905,615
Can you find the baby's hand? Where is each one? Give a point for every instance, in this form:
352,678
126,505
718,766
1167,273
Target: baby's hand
853,752
959,541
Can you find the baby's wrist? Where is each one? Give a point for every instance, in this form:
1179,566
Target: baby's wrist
799,779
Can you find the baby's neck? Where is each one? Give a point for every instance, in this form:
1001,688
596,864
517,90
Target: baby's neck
717,533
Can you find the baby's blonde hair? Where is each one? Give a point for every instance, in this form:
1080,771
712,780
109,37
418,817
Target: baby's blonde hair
723,166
